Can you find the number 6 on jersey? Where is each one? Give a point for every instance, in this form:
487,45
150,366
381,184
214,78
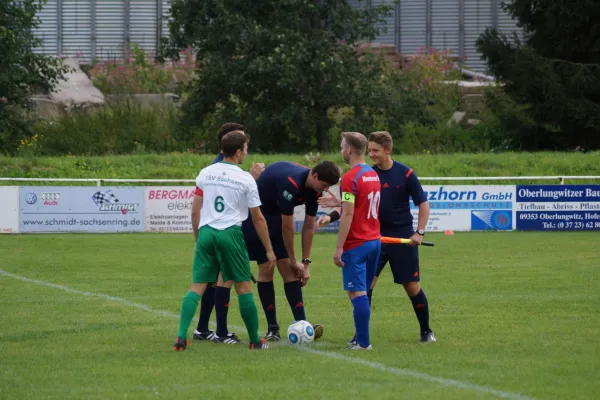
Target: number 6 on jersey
219,205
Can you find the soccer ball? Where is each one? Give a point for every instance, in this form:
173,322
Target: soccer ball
301,332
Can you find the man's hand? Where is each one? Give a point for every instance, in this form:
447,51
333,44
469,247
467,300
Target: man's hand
415,240
323,221
306,275
337,257
256,170
271,259
329,202
298,269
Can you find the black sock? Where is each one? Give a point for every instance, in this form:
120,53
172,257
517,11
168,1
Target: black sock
206,306
266,292
293,292
222,296
421,308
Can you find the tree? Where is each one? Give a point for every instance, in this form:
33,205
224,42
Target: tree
22,70
554,70
277,66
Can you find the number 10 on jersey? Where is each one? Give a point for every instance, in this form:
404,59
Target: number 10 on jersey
374,205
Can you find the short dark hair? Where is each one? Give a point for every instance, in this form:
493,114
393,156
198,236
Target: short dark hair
226,128
327,171
382,138
232,142
356,140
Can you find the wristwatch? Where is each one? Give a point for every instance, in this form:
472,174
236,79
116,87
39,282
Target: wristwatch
421,232
306,261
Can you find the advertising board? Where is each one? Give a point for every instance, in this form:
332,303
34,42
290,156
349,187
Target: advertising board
558,207
169,209
81,209
9,206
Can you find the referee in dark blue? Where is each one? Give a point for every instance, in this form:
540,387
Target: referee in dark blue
399,184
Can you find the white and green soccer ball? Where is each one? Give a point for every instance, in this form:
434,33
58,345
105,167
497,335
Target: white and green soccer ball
301,332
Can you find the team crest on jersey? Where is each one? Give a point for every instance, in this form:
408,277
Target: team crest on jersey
287,195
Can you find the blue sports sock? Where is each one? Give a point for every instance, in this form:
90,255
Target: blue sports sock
362,315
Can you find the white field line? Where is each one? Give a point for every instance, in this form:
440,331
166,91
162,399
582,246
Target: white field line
329,354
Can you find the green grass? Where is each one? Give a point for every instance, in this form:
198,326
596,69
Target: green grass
517,312
186,166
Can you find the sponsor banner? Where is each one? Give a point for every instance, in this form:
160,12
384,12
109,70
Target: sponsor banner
169,209
466,208
558,207
9,203
81,209
459,208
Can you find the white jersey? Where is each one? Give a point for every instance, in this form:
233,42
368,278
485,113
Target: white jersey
227,192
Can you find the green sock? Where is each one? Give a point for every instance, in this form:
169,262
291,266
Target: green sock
250,316
188,310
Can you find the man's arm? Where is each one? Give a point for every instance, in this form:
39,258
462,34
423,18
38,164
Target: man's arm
287,228
196,212
287,192
345,223
260,224
424,209
256,170
420,200
331,201
308,233
423,215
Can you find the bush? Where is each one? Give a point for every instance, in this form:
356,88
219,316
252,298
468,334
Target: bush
117,128
440,139
23,71
417,96
511,128
141,74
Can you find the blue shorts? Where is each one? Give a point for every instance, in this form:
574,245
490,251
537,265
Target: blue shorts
404,262
360,264
256,250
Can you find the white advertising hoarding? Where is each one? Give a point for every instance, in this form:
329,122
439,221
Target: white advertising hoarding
454,207
469,207
81,209
9,209
169,208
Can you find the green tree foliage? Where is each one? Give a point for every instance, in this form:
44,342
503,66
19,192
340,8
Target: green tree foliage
278,67
21,70
553,71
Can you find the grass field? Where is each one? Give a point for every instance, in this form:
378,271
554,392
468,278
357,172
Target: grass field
95,316
186,166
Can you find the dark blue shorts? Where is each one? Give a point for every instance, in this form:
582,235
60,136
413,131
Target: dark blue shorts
360,264
404,262
256,250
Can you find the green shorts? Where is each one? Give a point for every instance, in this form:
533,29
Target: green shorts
223,251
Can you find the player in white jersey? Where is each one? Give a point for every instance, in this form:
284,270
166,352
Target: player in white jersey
226,193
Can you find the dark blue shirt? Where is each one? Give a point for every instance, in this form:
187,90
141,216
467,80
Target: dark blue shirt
281,187
219,158
398,185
